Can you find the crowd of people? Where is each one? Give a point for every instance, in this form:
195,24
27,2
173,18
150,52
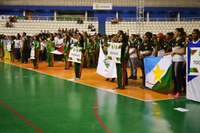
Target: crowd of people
134,49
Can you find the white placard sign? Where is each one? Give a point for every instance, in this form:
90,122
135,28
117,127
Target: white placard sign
75,54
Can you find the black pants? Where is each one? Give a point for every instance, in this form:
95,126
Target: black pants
17,53
178,76
143,72
24,56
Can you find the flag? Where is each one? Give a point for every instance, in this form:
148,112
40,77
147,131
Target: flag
193,71
106,67
59,51
158,71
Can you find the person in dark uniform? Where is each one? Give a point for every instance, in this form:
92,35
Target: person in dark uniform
24,48
145,49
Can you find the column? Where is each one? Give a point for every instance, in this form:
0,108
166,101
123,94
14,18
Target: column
147,16
55,15
86,15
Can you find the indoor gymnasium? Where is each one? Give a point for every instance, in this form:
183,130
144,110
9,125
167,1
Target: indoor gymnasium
99,66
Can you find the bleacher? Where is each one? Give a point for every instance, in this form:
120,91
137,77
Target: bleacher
32,27
152,26
148,3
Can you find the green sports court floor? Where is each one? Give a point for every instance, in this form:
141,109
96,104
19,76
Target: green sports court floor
32,102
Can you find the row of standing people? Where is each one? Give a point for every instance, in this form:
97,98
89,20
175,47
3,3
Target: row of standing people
134,50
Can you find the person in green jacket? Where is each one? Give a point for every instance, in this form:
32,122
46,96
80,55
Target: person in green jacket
78,66
67,43
35,47
50,48
1,46
122,78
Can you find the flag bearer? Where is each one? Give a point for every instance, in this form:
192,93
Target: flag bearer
78,66
50,48
122,79
35,52
145,49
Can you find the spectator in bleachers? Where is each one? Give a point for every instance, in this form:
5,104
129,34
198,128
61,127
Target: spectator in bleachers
114,21
90,26
80,21
9,24
13,19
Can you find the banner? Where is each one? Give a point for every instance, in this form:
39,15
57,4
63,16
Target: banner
75,54
158,71
59,51
193,71
32,56
102,6
8,46
114,52
194,61
7,56
106,67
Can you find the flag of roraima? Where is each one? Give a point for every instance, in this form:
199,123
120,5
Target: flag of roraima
158,71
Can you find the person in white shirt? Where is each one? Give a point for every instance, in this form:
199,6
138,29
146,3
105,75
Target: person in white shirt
43,53
178,50
59,46
17,46
133,43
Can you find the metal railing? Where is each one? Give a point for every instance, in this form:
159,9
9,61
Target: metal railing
49,18
109,19
148,3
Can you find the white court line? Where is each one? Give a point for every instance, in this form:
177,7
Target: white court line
72,80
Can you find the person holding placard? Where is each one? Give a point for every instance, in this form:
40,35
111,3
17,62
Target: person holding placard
178,50
193,63
122,79
8,49
78,66
145,49
35,52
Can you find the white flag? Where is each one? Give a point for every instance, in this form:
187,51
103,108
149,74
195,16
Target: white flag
106,67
